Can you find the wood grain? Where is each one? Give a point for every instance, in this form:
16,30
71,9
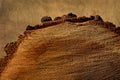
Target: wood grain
66,51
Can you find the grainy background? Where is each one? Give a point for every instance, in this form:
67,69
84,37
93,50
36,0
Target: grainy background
15,15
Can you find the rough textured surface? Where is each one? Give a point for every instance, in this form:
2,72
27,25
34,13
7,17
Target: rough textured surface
67,51
15,15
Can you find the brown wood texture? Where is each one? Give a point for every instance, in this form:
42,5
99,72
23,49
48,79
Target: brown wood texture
67,51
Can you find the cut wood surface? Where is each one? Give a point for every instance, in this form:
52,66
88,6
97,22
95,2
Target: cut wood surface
67,51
